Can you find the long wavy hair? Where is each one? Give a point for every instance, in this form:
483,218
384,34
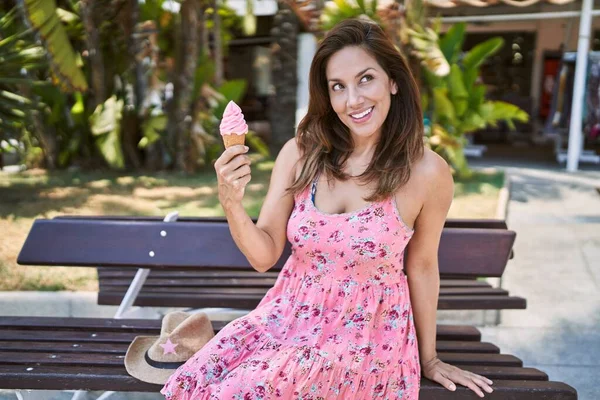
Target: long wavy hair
325,143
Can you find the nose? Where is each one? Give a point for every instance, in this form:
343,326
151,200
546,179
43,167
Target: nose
355,98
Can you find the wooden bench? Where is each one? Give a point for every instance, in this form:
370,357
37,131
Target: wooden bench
87,353
212,287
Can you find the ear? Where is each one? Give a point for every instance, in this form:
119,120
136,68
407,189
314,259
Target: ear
393,87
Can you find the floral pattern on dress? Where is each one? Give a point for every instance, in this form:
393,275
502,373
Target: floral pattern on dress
337,324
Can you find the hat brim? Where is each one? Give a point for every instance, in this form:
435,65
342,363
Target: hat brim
136,365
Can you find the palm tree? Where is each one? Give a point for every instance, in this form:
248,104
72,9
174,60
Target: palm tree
282,108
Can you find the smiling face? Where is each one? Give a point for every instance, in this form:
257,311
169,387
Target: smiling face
359,90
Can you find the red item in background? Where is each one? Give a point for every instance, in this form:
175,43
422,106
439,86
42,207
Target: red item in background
549,79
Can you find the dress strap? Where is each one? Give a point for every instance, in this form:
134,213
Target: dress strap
313,189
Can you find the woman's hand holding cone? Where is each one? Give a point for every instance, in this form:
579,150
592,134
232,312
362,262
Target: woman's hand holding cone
233,174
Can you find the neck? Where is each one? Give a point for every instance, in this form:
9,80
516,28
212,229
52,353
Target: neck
361,156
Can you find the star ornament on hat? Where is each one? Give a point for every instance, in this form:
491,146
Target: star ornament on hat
154,359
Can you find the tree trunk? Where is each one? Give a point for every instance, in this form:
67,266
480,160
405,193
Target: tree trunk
92,37
218,43
47,137
283,103
184,81
131,118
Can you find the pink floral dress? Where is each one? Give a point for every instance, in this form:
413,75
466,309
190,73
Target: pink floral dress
337,324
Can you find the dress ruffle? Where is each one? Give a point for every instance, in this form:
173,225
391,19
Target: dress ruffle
243,362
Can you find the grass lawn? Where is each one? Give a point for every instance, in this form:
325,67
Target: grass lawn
39,194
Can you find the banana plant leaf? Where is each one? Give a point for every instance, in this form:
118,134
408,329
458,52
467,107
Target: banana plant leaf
478,54
19,55
472,121
477,97
458,93
42,16
425,46
493,111
443,107
232,90
452,42
105,124
153,127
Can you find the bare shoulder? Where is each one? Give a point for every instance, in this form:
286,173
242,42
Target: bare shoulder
288,158
291,149
433,170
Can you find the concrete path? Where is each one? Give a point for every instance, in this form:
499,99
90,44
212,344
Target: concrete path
557,269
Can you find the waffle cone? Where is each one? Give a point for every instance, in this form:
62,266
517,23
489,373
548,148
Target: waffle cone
233,140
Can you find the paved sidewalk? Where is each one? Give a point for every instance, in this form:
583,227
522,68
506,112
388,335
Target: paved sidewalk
557,269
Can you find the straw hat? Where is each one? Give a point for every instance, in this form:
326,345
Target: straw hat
154,359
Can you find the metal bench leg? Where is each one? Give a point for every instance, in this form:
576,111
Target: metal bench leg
105,395
79,395
36,394
138,282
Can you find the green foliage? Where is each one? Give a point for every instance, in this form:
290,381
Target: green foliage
451,43
233,90
153,127
338,10
419,40
459,104
105,124
19,56
42,16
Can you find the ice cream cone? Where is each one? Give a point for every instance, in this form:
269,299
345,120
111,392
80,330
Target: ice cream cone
233,140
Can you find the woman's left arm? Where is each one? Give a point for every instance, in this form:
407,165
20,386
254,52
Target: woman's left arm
421,266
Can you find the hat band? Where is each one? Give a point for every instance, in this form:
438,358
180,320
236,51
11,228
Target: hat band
162,365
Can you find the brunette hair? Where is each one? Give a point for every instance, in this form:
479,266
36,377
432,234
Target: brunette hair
325,143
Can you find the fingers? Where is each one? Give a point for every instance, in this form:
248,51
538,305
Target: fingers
231,153
239,173
472,381
231,168
465,381
445,382
242,182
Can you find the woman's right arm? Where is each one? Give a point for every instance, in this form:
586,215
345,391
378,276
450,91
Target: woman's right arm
263,243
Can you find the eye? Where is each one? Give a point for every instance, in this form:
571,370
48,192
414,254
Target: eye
366,78
336,87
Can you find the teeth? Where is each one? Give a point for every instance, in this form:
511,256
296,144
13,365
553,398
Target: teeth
361,114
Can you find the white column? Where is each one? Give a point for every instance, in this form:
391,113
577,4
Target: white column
307,46
583,47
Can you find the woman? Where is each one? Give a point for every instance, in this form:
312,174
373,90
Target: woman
351,192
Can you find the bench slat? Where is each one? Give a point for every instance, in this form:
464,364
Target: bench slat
505,360
69,336
61,377
103,360
466,252
503,389
63,347
481,303
216,278
146,326
74,346
449,223
458,346
250,301
237,288
507,373
14,328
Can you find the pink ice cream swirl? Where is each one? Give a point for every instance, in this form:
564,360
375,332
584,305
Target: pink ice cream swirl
233,120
